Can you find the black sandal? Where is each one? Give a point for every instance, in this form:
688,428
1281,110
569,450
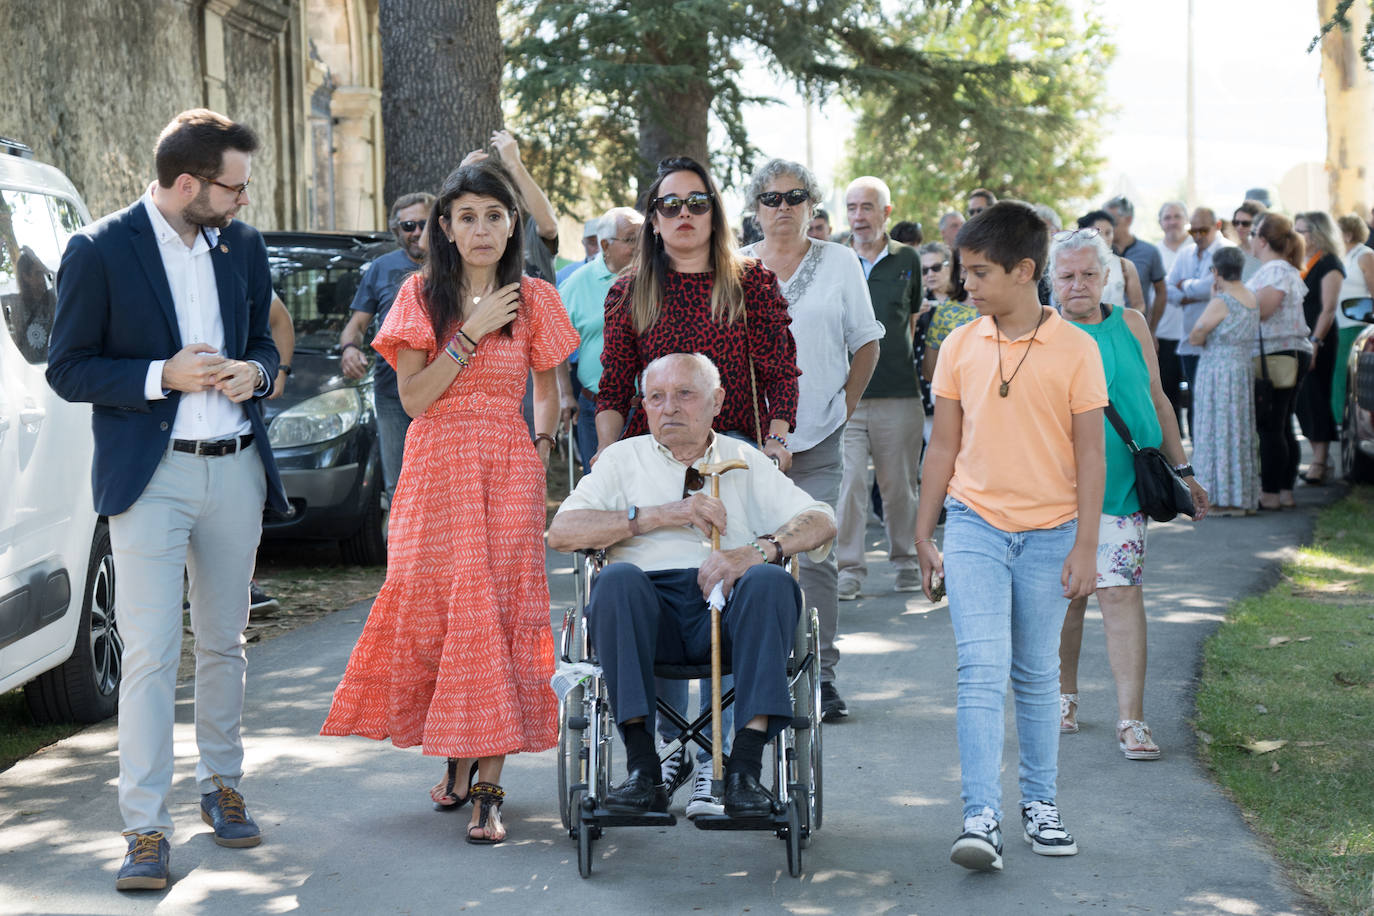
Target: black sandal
486,796
452,779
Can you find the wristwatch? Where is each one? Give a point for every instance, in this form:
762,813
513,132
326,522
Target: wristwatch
285,369
633,516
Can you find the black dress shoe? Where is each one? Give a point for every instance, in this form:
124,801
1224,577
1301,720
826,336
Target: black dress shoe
640,793
746,797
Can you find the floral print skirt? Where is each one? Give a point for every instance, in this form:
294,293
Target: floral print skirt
1121,550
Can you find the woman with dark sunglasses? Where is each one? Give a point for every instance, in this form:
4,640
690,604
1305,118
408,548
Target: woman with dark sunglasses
690,291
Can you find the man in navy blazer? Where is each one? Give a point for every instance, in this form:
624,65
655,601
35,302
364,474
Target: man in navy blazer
162,325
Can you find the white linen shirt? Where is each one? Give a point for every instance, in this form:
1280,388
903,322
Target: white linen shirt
640,472
1194,268
195,296
832,317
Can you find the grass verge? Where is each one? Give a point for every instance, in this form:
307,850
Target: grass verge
1285,709
19,737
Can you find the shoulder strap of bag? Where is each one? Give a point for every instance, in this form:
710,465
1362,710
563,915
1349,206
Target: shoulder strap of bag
1264,366
753,382
1120,426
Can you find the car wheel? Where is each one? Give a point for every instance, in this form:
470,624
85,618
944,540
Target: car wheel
1359,467
85,688
368,546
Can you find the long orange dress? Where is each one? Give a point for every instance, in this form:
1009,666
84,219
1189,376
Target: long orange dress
457,651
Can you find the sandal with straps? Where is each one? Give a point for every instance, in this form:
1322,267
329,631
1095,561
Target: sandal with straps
1142,746
451,779
1068,713
487,796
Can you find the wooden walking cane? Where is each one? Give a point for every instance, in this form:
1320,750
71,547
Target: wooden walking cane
717,767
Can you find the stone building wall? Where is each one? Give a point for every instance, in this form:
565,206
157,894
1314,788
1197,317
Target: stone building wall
89,84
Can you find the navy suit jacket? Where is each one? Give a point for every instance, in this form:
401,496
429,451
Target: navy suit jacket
115,316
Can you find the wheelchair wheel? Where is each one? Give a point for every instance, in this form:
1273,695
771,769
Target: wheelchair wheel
794,833
570,769
808,740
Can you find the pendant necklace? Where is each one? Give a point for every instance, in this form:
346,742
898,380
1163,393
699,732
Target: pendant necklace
1005,387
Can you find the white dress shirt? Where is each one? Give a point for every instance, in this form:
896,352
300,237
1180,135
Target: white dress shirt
195,296
641,472
1194,268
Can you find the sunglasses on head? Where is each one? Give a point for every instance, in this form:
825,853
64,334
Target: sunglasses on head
692,482
697,204
795,197
1088,232
410,225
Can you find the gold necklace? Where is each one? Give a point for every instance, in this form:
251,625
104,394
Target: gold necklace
1005,387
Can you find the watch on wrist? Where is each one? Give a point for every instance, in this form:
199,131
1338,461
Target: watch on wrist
777,560
633,516
285,369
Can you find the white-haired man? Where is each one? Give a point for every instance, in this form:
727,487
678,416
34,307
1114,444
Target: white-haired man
646,507
889,422
584,296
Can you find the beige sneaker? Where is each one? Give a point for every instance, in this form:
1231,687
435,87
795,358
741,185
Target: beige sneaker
847,589
908,580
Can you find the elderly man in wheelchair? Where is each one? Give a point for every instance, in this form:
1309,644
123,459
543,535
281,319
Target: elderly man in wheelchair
644,504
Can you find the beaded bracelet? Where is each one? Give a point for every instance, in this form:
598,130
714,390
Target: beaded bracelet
927,540
458,358
776,438
455,342
763,553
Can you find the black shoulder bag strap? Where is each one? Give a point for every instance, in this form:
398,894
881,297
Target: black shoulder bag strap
1120,425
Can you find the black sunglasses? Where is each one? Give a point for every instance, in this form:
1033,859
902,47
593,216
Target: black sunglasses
933,268
697,204
795,197
692,481
1242,223
410,225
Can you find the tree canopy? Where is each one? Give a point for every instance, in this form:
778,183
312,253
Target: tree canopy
1039,140
605,88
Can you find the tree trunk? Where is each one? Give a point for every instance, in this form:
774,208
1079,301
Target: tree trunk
672,122
441,84
1349,89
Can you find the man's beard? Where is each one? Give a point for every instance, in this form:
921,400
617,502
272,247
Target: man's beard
199,213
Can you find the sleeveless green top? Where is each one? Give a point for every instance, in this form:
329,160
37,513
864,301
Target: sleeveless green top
1128,386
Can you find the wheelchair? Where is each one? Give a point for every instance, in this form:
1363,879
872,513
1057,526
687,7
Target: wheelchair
586,732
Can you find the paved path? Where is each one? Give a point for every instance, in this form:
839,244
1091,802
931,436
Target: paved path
349,827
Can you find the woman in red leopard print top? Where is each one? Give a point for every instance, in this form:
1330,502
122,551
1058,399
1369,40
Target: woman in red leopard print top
690,292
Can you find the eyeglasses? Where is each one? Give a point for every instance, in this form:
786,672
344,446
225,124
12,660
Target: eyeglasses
1242,223
795,197
1088,232
934,268
974,211
692,481
628,240
697,203
410,225
236,189
1201,230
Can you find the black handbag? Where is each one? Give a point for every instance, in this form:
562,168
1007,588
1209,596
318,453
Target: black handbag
1162,493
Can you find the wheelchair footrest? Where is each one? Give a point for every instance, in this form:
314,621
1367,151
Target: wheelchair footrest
725,822
600,817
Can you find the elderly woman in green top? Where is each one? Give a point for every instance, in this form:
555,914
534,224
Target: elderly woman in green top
1079,260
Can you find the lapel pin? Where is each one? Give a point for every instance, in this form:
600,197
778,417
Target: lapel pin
224,249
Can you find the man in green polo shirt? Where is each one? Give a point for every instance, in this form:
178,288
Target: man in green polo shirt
584,296
889,421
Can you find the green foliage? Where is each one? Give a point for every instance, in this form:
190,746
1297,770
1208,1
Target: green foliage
1340,19
1035,138
1296,665
598,80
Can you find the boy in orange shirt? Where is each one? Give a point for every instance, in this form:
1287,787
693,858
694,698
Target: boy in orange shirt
1017,445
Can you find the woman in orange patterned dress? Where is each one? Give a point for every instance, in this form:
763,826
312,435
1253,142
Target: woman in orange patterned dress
457,652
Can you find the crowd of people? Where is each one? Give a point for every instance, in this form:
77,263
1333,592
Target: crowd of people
986,383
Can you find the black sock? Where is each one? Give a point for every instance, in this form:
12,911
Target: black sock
746,753
640,753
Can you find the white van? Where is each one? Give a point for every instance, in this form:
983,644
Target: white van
57,580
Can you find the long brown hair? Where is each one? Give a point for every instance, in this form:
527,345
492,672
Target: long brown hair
443,270
1277,230
644,293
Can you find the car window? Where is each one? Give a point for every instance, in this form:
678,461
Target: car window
317,289
31,244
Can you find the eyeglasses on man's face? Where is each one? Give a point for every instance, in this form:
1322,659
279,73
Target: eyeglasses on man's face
236,190
411,225
934,268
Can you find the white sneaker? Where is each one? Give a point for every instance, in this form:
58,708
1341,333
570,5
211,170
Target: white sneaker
979,847
702,801
1044,831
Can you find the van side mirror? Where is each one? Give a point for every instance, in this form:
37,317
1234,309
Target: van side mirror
1359,309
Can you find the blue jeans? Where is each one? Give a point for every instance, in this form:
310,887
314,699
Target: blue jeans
586,428
392,423
1007,606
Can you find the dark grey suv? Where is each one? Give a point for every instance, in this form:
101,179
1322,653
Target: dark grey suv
323,429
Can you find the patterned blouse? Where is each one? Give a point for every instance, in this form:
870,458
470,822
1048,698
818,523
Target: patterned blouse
948,316
1286,328
685,326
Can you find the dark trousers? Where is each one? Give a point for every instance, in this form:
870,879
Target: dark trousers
636,618
1313,405
1278,444
1171,376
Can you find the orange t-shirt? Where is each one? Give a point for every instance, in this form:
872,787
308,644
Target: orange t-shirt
1015,466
